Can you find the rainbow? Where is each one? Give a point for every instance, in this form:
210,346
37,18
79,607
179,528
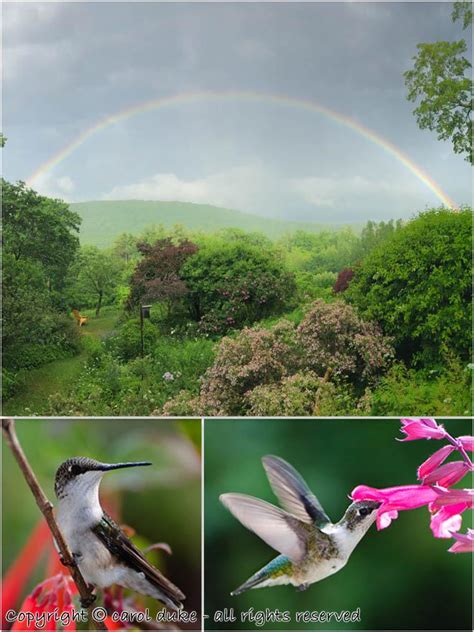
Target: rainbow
232,96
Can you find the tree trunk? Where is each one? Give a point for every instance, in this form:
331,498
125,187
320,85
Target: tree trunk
99,304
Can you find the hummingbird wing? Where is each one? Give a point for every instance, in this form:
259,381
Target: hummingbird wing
125,551
280,530
293,493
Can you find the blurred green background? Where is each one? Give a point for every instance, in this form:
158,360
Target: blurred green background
401,577
162,503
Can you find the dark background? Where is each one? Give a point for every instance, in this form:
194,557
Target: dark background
400,577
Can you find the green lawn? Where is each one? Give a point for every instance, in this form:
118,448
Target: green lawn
58,376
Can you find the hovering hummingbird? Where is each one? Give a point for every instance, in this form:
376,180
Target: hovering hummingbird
311,547
102,551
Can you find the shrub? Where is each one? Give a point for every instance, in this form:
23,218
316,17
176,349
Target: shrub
9,383
126,343
297,395
405,391
312,286
234,284
282,368
417,285
254,357
333,337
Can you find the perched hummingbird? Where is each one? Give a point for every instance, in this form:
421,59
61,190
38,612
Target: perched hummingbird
311,547
102,551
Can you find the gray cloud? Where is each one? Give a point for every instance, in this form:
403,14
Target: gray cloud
67,65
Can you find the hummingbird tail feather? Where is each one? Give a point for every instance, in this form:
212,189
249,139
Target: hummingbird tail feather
275,573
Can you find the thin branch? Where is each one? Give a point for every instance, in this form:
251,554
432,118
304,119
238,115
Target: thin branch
46,508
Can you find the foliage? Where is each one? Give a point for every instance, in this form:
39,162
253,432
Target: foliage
158,277
343,279
39,243
9,383
447,391
417,285
441,79
40,229
234,284
33,333
327,251
93,279
333,337
126,343
372,235
125,247
311,286
300,395
287,365
254,357
110,386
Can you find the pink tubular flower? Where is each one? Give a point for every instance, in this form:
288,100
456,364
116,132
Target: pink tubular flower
467,443
434,461
394,499
421,428
447,474
448,497
464,542
447,520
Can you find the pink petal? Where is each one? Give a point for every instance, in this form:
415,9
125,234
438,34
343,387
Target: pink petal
427,421
464,542
447,474
422,429
453,497
385,518
447,520
467,443
434,461
394,499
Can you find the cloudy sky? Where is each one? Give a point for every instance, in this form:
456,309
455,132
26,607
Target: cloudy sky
67,66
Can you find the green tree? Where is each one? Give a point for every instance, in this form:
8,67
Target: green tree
39,244
373,234
417,285
94,277
440,78
41,229
231,284
125,247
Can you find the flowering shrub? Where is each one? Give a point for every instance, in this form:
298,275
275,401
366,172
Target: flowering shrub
253,358
436,478
234,284
298,395
332,336
285,370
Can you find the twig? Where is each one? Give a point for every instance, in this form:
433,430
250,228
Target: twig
46,508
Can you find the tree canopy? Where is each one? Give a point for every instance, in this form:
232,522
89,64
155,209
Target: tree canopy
417,285
441,80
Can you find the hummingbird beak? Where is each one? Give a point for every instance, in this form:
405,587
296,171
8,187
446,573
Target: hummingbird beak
117,466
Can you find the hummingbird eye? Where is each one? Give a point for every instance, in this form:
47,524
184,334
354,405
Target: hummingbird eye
364,511
75,470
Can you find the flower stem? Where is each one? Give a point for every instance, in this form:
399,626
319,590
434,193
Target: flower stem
459,446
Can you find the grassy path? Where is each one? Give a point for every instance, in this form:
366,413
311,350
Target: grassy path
58,376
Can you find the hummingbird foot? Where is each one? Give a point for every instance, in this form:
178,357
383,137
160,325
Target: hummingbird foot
88,601
302,587
65,562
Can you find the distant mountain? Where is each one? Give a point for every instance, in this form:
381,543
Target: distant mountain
102,222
